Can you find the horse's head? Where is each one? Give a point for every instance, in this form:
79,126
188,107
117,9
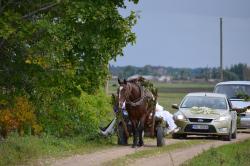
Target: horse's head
123,91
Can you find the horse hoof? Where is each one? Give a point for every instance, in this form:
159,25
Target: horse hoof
140,145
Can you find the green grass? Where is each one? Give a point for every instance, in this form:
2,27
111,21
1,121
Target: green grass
183,85
29,150
167,99
130,158
227,155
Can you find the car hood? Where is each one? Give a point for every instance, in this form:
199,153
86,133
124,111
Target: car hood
203,112
239,103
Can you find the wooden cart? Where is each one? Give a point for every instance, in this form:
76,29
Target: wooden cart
124,129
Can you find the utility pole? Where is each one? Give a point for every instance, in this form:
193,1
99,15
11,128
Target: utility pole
221,51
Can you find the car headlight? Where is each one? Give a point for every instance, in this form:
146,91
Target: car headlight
222,118
180,117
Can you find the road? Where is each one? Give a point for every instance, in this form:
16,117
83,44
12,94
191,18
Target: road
174,158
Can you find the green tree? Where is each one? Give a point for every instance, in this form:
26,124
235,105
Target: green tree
246,73
55,41
52,50
230,76
239,69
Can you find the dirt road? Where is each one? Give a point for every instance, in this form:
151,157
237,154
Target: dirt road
175,157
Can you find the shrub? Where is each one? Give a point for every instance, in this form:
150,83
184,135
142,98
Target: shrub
25,116
76,115
19,117
7,122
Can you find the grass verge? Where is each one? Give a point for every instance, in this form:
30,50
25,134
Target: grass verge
130,158
31,150
227,155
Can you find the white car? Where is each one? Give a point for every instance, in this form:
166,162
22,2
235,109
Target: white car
237,92
205,114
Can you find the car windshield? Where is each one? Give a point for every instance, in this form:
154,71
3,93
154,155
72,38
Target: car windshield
204,101
233,91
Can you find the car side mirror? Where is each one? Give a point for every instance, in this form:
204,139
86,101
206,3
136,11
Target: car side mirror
239,110
232,109
175,106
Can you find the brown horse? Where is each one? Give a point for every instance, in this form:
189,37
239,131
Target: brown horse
140,103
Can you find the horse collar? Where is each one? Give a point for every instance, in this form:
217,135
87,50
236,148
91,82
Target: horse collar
137,101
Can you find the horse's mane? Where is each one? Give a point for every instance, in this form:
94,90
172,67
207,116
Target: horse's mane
141,81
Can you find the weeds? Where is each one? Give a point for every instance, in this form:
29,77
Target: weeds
28,149
231,154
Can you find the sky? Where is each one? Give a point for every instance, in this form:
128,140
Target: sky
186,33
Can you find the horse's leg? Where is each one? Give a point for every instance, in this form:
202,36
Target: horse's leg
141,129
135,133
152,110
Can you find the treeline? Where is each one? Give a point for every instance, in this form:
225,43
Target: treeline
235,72
54,59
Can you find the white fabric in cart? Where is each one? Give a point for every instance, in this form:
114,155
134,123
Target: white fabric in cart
168,117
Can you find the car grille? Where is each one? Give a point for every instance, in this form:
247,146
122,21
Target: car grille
210,129
200,120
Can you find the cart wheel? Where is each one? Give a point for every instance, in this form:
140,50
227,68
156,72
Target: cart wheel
160,136
121,136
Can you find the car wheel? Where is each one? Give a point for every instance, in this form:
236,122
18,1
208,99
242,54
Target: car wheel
184,136
175,136
229,136
234,135
178,136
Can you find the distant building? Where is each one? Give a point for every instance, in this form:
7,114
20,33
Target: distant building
133,77
152,78
165,79
147,77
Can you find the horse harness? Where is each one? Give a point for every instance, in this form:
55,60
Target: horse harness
145,95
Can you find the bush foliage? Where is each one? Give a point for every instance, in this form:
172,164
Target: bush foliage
76,115
64,117
21,117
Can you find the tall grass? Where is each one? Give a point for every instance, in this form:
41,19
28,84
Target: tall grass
16,150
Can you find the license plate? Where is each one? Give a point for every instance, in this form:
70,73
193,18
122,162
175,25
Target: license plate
200,127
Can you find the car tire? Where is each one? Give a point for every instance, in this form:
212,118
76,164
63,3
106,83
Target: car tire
234,135
178,136
184,136
229,136
175,136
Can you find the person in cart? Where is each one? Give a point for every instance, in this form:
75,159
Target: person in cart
160,112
